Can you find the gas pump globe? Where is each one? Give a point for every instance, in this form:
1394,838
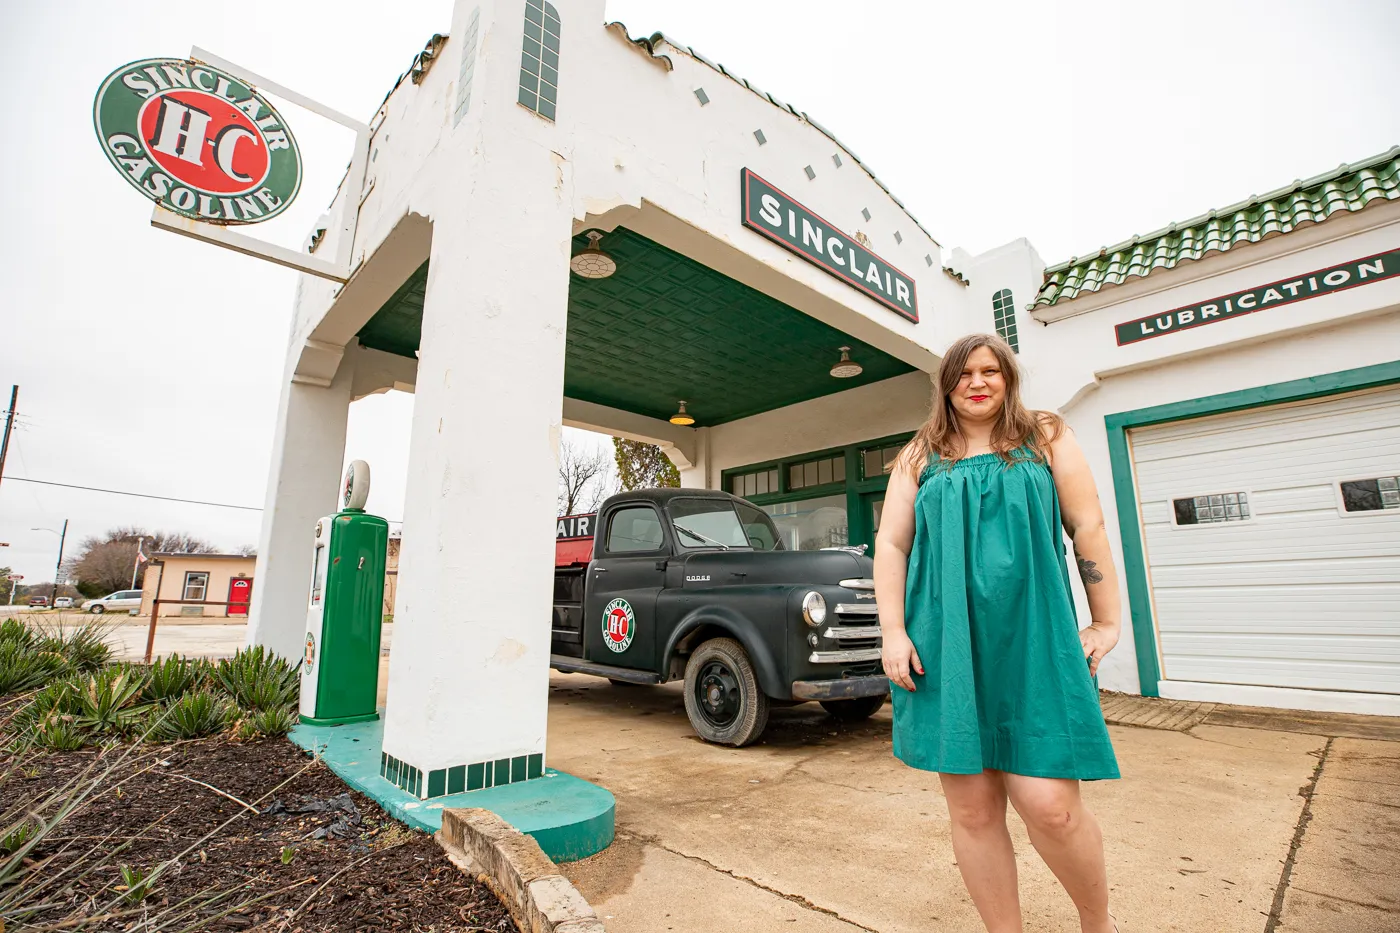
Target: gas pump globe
340,670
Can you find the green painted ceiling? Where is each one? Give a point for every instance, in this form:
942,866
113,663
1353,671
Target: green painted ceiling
664,328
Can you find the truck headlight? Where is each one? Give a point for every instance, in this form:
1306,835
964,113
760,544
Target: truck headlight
814,608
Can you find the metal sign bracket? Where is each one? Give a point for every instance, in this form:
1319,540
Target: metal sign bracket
337,269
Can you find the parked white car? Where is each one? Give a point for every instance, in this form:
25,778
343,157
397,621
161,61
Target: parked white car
129,600
63,602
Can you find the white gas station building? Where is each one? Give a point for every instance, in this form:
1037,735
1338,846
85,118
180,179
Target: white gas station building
1234,378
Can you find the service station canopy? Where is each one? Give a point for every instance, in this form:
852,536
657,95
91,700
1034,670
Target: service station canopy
665,327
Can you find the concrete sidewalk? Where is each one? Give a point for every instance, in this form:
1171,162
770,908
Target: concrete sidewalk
819,828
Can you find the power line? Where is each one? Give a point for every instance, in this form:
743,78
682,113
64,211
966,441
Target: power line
139,495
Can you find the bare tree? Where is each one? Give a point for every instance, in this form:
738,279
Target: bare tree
105,562
585,478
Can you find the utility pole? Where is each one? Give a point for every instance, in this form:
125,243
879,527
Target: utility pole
61,538
9,424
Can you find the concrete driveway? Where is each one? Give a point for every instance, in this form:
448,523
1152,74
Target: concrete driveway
819,828
1227,818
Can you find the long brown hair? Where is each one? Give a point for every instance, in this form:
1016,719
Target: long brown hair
1016,426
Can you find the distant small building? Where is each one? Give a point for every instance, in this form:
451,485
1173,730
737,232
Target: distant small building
181,578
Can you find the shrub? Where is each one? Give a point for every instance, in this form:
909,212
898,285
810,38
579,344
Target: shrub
57,733
84,648
258,679
192,716
172,677
24,665
57,697
265,723
16,631
109,699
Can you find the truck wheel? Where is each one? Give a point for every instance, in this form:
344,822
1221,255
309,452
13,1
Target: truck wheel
722,697
853,710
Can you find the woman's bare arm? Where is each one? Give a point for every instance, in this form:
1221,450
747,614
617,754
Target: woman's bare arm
1082,515
892,546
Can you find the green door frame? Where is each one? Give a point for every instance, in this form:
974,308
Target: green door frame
1125,489
853,486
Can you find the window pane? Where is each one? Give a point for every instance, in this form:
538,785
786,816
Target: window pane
839,469
704,523
1185,511
750,485
795,477
1215,508
809,474
1363,495
823,472
872,465
811,523
762,483
773,480
736,485
635,529
759,529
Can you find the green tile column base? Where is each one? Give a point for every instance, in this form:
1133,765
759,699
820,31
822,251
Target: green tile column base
339,720
570,818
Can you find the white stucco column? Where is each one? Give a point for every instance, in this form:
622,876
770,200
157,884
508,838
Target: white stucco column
308,451
469,671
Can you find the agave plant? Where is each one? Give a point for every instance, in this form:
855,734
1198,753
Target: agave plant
265,723
109,699
172,677
16,631
192,716
57,733
24,665
84,648
258,679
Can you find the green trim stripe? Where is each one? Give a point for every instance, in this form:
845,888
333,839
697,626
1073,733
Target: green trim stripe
460,778
1125,488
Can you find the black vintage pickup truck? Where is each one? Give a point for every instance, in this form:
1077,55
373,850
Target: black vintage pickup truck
665,584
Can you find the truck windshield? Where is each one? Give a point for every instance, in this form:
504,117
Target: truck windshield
704,523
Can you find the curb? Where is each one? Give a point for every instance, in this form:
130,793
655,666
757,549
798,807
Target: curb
513,865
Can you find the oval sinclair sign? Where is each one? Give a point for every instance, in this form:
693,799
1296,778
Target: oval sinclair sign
197,141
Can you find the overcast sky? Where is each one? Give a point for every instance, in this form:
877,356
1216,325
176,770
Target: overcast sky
150,363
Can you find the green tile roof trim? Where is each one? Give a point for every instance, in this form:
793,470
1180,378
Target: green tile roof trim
650,45
1346,188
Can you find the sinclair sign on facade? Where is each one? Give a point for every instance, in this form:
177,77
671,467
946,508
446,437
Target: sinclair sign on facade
197,141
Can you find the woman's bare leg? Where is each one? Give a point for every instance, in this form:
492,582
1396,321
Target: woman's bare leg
977,809
1068,838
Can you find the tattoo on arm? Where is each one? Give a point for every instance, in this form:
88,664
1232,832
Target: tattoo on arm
1088,570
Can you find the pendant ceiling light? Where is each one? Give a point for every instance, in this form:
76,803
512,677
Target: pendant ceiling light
846,367
682,417
593,263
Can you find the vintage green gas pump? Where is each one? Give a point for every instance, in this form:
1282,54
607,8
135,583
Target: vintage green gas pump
340,674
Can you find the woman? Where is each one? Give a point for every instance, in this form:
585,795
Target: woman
971,581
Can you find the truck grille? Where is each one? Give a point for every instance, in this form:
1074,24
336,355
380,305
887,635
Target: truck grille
857,615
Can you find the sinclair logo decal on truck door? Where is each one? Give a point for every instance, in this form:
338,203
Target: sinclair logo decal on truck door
619,625
197,141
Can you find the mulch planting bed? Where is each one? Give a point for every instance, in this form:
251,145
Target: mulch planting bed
329,859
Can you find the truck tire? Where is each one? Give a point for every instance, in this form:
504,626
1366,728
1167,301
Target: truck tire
853,710
722,696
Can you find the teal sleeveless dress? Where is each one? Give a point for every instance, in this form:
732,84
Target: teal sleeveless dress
989,610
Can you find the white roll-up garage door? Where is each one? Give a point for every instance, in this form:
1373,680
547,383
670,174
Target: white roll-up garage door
1273,543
